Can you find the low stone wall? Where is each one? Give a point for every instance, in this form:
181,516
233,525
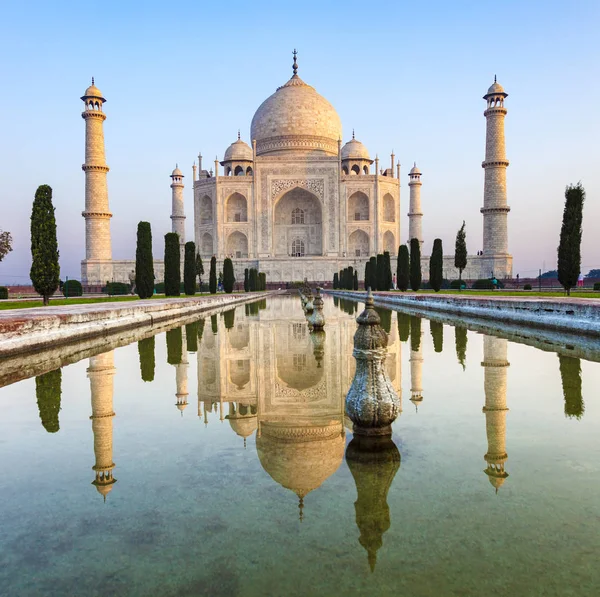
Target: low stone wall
25,330
571,315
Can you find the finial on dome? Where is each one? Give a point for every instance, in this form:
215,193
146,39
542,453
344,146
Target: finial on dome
301,508
238,134
295,65
414,164
353,134
92,80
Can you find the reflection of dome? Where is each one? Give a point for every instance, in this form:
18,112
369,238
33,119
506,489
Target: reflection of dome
296,118
239,373
355,150
238,152
298,371
243,426
104,490
300,458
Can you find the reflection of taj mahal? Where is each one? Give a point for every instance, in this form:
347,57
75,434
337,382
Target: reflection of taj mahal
297,203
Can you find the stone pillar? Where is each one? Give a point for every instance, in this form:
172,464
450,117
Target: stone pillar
181,376
100,374
415,215
495,209
177,210
495,365
97,266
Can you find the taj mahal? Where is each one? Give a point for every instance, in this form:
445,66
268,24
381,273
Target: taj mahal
297,203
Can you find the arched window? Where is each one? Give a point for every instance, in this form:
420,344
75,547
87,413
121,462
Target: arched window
366,169
345,170
298,218
228,171
355,169
239,171
249,171
298,248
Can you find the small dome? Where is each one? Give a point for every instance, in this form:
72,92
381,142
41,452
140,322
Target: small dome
177,172
355,150
239,151
93,92
415,170
495,89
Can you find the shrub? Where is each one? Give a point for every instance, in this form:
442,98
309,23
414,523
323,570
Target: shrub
116,288
527,287
458,285
72,288
596,287
159,288
485,284
4,292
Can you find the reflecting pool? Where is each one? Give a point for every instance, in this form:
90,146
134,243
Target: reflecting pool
216,459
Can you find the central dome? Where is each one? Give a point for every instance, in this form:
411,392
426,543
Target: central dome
296,118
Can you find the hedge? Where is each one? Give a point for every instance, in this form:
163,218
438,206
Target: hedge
114,288
3,292
72,288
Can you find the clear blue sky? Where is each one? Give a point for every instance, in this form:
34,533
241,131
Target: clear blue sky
182,77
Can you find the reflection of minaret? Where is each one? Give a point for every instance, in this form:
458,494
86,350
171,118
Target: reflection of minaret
100,374
495,363
416,375
181,375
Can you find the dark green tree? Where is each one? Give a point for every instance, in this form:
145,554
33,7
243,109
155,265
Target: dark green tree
229,318
460,251
367,274
189,268
569,248
460,339
174,346
336,281
436,265
45,269
388,270
570,375
172,265
253,279
144,263
385,315
214,324
415,264
380,265
355,279
228,276
403,326
212,276
373,273
48,392
191,336
402,273
246,281
437,333
199,270
147,358
262,277
350,278
415,333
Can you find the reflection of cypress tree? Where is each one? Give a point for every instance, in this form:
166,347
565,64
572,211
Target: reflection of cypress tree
570,374
47,392
214,324
200,329
262,304
460,337
437,333
386,318
174,346
147,358
229,318
403,326
336,301
191,335
415,333
373,462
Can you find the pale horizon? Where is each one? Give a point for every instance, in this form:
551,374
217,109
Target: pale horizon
182,79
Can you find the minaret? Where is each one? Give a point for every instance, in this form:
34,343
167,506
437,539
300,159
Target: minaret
415,216
97,266
177,211
416,375
495,209
100,374
495,364
181,376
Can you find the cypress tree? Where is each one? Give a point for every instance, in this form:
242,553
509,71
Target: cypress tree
144,264
367,275
189,268
228,276
199,270
253,280
246,281
415,333
388,270
355,279
335,280
402,277
380,272
436,265
460,340
147,358
570,375
569,248
212,276
460,251
174,346
191,336
47,392
262,278
437,333
403,326
45,269
415,264
350,278
172,265
373,273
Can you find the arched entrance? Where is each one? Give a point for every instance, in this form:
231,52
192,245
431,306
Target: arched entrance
389,242
298,228
358,244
